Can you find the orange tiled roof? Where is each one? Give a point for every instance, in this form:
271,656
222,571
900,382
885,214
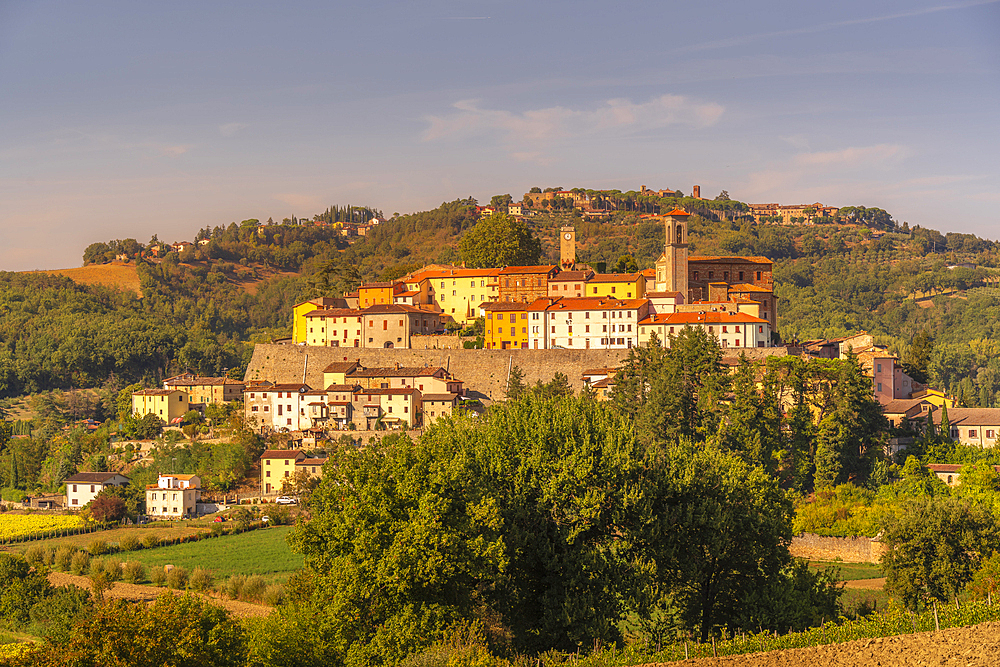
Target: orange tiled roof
701,318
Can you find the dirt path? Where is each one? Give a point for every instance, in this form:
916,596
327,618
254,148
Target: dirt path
149,593
975,646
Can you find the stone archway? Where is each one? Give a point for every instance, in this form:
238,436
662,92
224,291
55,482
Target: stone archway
388,344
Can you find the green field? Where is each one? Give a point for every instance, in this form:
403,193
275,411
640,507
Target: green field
850,571
262,552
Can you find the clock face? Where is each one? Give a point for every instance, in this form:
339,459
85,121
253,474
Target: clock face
568,236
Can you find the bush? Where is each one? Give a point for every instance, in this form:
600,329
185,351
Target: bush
150,541
157,576
135,572
97,547
111,567
129,542
64,558
80,562
233,587
274,595
201,579
35,555
177,578
253,588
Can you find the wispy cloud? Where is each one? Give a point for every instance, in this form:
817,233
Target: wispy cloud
229,129
525,132
868,155
834,25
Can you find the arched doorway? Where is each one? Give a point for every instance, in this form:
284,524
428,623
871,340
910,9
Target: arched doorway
388,344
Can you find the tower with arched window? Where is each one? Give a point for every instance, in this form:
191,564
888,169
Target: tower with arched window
671,267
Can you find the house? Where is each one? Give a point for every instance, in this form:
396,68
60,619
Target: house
525,284
167,404
300,310
396,408
432,379
731,329
45,501
203,391
617,285
392,325
570,283
173,497
373,294
505,326
311,466
83,487
340,404
902,410
950,473
275,466
337,327
278,408
585,323
455,292
601,381
972,426
437,406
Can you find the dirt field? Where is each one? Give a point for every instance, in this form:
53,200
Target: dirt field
149,593
116,274
976,646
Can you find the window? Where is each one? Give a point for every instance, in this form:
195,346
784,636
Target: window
553,329
725,329
990,433
267,473
711,274
741,275
74,488
760,329
696,275
954,432
880,386
737,328
153,497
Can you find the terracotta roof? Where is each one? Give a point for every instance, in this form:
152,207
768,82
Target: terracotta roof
971,416
452,273
747,287
497,305
290,387
702,318
409,293
570,276
440,397
662,295
391,308
901,405
604,384
944,467
402,371
601,371
333,312
615,278
323,301
343,387
154,392
729,259
381,285
310,462
341,366
397,391
597,303
93,477
527,269
282,454
678,212
200,381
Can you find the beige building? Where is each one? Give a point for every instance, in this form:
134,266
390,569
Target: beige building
437,406
392,325
279,408
202,391
167,404
83,487
731,329
173,497
341,327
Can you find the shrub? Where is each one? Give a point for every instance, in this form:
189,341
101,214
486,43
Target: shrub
129,542
35,555
253,588
80,562
274,595
201,579
135,572
112,568
150,541
64,557
177,578
50,556
233,587
157,576
97,547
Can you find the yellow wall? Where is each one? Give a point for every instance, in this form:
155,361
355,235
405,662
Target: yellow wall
462,294
501,319
299,327
624,289
373,296
166,407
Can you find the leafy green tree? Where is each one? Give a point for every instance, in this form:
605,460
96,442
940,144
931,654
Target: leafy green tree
753,424
934,546
499,240
918,356
625,264
515,383
21,586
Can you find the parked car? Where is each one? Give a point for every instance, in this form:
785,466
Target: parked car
286,500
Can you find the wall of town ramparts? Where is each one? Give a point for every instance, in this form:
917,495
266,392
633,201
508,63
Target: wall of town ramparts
484,372
847,549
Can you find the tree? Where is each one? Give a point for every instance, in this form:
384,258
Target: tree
501,202
515,383
918,356
499,240
106,509
934,546
625,264
21,586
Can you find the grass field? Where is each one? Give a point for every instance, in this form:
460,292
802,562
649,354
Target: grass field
122,276
262,552
850,571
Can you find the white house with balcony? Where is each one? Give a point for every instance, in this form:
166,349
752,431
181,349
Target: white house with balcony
173,497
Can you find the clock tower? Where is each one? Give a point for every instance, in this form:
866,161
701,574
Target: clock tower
567,248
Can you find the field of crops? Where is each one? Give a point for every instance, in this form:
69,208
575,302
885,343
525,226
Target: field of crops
16,526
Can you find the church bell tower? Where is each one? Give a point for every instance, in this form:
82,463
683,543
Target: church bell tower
672,267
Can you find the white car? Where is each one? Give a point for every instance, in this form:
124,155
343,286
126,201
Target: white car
286,500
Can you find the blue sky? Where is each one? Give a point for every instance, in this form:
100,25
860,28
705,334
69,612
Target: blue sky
126,119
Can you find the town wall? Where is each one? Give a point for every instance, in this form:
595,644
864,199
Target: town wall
847,549
484,372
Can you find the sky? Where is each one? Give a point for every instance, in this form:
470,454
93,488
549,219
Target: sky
129,119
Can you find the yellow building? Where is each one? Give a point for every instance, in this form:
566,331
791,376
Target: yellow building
617,285
167,404
506,326
457,292
379,294
934,396
300,327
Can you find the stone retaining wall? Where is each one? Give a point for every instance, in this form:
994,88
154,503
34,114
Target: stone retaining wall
847,549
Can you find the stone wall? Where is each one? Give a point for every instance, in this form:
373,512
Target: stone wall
441,342
483,371
846,549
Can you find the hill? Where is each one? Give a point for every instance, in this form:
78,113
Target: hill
119,275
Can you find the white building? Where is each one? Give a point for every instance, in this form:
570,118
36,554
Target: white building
173,497
585,323
730,329
83,487
279,408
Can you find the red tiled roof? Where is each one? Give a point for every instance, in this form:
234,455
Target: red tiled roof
527,269
702,318
336,312
597,303
729,259
154,392
282,454
615,278
678,212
